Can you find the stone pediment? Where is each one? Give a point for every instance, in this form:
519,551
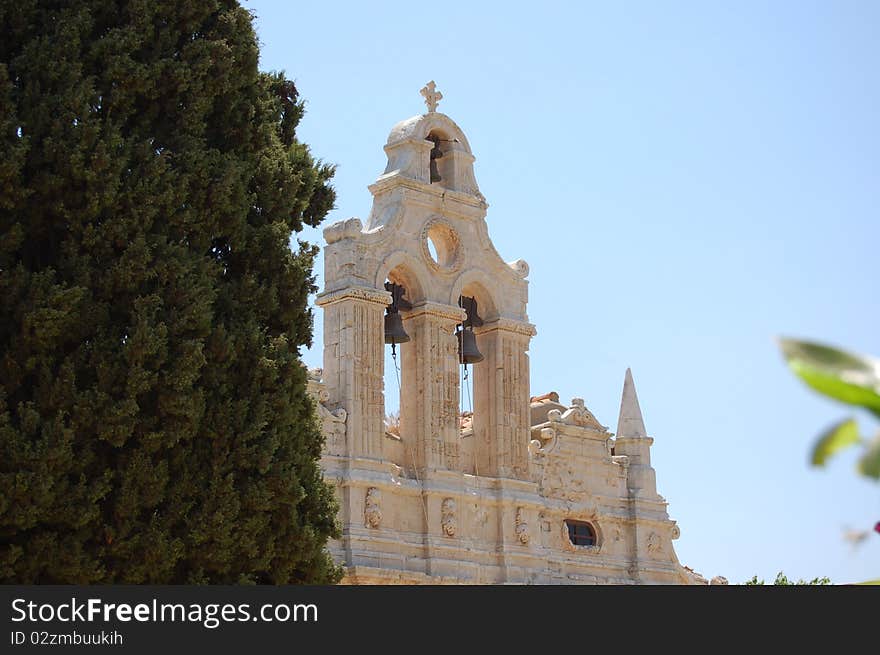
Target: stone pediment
577,415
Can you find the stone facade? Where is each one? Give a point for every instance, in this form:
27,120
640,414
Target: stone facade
521,490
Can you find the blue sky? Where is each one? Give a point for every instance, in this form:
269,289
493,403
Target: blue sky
687,180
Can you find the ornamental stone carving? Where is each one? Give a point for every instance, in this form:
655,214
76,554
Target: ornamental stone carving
372,511
522,528
654,543
520,267
348,229
447,517
332,421
579,415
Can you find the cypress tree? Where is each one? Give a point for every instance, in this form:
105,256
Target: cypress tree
154,421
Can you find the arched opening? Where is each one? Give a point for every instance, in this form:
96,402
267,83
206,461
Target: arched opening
476,374
399,359
441,164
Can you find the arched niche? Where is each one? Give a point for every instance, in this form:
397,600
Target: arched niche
410,151
399,372
474,285
418,127
441,163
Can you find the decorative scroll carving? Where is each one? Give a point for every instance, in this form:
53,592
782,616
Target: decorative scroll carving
654,543
332,421
579,415
522,528
676,532
447,517
347,229
520,267
372,511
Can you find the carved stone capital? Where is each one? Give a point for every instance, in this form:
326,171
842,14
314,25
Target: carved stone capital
362,294
508,325
451,313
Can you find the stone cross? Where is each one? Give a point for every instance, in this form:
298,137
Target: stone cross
432,97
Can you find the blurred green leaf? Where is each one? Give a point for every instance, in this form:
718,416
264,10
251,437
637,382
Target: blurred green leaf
869,463
839,436
877,582
847,377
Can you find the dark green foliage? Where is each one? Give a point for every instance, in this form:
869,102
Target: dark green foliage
154,425
782,580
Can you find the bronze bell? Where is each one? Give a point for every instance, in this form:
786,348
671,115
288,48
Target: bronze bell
394,332
467,347
468,353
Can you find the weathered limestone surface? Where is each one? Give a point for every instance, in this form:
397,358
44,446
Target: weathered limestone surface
481,498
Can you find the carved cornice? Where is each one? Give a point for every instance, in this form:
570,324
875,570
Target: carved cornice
508,325
362,294
426,190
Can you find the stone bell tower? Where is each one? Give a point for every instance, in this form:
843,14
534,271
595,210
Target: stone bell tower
427,233
523,489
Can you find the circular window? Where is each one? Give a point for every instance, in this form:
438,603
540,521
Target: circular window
441,246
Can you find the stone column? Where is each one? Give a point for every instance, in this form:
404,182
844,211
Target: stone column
501,399
354,341
430,387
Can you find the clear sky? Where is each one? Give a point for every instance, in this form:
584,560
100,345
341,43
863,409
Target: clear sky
687,180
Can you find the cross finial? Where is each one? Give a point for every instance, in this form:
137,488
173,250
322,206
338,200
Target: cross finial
432,96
